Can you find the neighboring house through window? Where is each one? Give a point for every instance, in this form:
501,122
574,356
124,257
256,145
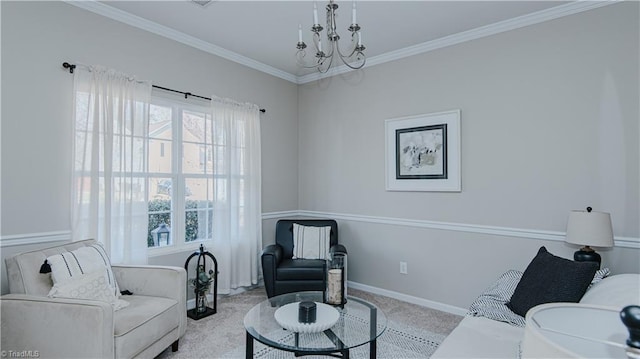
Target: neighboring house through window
180,190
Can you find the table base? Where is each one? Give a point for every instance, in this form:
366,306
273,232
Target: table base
339,353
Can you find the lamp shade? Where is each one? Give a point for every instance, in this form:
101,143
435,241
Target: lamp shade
589,228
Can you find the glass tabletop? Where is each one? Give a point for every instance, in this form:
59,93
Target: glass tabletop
360,323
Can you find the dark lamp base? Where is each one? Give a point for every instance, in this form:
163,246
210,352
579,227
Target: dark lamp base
588,255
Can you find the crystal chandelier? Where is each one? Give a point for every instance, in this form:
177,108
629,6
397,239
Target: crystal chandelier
354,58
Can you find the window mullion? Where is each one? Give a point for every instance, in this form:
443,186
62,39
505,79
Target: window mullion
178,194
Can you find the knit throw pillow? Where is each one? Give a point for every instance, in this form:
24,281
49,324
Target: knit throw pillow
89,286
550,279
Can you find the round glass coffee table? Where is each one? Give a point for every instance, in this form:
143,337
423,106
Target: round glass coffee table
359,323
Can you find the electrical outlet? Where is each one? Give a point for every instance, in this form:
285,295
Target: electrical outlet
403,267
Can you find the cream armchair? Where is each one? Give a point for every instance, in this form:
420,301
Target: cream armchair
72,328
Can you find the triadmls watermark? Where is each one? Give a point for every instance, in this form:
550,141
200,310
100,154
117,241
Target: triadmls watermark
20,354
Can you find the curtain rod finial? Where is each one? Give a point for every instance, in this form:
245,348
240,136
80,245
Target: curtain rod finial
69,66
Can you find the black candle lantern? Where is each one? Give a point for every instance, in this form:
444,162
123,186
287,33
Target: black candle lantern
161,234
201,283
336,279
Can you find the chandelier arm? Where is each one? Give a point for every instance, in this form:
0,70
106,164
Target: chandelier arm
316,41
319,67
355,50
332,49
343,57
364,61
300,54
302,63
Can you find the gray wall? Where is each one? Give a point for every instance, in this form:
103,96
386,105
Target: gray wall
37,37
549,123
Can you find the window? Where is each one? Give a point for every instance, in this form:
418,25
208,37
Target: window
180,178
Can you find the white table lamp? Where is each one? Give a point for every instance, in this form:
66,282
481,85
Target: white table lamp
589,228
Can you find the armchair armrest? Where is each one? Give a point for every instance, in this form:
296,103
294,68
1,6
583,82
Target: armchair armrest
56,327
155,281
271,257
275,251
338,248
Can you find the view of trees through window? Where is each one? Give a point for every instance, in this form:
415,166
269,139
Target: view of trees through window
160,212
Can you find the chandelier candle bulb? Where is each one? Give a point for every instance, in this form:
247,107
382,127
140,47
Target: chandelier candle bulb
359,38
353,14
315,14
299,33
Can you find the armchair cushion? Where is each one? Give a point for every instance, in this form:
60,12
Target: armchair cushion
301,269
311,242
145,320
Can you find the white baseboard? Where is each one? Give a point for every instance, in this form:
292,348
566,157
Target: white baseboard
191,303
409,299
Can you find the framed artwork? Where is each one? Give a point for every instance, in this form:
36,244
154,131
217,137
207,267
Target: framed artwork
423,152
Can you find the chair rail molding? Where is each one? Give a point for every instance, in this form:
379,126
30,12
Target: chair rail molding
34,238
623,242
280,214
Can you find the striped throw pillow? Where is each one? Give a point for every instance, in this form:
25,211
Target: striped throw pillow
492,303
311,242
70,266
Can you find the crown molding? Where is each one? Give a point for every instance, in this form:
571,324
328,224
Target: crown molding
473,34
155,28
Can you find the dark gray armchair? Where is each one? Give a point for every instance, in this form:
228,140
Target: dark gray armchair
283,274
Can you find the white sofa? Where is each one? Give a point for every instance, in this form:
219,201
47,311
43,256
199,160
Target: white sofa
34,324
481,337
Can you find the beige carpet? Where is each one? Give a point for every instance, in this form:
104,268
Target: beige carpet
222,334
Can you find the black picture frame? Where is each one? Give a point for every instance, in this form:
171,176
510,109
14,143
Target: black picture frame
421,152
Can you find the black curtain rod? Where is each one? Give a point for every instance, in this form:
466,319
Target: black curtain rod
71,67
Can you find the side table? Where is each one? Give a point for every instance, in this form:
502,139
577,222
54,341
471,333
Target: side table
572,330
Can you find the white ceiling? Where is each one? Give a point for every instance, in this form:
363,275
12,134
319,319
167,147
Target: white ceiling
263,34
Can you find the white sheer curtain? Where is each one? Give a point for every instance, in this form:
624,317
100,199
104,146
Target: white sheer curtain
237,219
111,112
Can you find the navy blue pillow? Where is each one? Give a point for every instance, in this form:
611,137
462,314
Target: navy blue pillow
550,279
